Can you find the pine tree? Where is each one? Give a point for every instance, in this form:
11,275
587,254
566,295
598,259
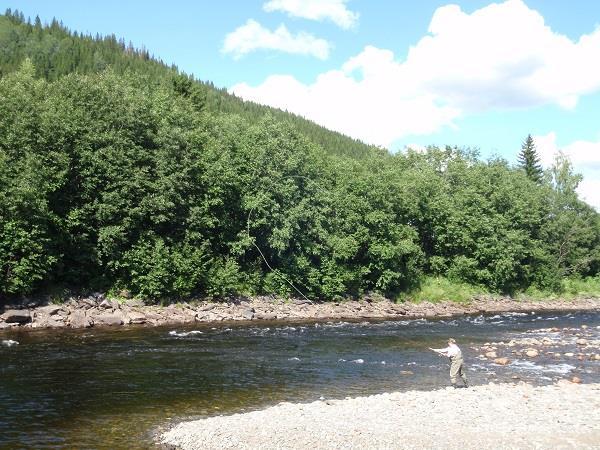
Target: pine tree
529,160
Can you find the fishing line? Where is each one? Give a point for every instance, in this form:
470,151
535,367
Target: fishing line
276,271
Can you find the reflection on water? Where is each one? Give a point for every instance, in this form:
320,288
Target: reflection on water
112,388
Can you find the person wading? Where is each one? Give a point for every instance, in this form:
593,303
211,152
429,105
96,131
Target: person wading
456,362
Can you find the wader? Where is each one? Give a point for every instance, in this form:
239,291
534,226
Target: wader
457,369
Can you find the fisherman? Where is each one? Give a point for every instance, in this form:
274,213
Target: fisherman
456,362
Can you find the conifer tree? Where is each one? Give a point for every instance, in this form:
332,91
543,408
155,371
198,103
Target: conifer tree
529,160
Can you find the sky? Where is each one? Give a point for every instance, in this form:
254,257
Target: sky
396,74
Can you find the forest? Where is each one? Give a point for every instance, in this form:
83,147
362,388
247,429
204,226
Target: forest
120,172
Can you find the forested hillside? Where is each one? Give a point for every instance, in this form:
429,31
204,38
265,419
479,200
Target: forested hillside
55,51
125,174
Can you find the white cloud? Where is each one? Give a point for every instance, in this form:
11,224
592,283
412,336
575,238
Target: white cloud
585,157
334,10
377,108
253,36
501,56
504,56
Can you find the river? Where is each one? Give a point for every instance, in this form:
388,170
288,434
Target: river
114,388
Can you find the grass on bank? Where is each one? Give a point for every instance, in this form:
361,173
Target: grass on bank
439,289
432,289
572,288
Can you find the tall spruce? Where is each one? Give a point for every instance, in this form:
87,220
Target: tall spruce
529,160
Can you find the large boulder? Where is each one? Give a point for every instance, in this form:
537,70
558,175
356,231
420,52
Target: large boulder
108,319
265,316
106,304
88,302
78,319
16,316
247,314
48,317
49,310
137,317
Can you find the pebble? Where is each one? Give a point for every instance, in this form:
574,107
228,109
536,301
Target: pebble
473,418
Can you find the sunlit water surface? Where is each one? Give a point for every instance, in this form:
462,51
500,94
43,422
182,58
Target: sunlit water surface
114,388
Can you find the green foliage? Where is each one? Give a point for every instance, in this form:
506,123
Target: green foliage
569,288
23,260
130,177
581,287
154,270
529,160
55,51
441,289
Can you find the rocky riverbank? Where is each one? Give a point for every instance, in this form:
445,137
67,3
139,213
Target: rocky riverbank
570,345
560,416
97,310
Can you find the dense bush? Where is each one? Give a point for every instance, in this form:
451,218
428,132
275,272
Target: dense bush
126,180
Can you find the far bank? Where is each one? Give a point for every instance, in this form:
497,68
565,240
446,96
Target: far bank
99,311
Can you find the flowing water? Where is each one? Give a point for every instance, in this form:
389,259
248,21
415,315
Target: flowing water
115,388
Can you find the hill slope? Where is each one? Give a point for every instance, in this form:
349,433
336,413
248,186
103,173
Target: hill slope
56,51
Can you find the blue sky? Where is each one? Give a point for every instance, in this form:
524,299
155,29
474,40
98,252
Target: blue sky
467,73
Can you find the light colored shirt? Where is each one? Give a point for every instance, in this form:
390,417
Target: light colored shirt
452,351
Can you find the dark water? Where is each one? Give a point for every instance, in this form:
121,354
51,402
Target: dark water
115,388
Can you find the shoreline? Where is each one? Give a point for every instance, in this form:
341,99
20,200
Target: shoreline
98,311
562,415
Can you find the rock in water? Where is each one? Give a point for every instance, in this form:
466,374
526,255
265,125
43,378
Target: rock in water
9,342
502,361
576,380
491,355
532,353
582,342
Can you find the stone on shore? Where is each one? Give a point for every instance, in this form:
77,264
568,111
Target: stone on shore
136,317
108,319
482,417
16,316
248,314
272,308
78,319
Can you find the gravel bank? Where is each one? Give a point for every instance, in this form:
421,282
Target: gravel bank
561,416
